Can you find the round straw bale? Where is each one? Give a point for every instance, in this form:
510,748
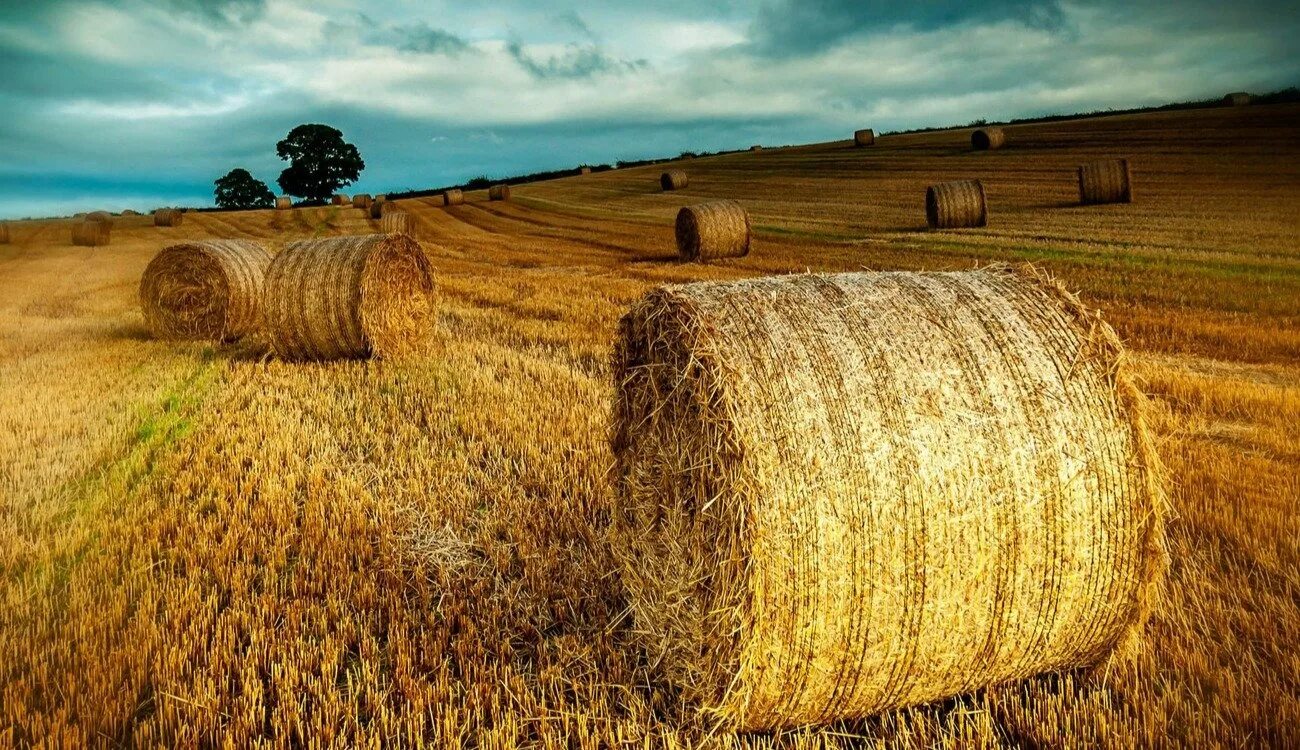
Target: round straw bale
284,202
453,197
340,199
381,197
584,170
1237,99
987,139
951,205
844,494
864,137
100,216
168,217
718,229
376,208
756,147
91,233
674,179
208,290
499,193
4,233
81,215
397,222
349,297
1105,182
129,212
361,200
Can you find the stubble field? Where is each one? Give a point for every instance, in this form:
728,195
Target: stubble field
203,546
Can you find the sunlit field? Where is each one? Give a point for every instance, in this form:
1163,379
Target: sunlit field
205,546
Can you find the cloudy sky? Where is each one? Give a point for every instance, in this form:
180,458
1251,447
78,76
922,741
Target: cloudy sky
134,104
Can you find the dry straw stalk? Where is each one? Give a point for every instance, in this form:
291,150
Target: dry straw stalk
1107,181
283,203
349,297
91,233
208,290
987,139
718,229
952,205
499,193
397,222
168,217
865,137
674,179
453,197
845,494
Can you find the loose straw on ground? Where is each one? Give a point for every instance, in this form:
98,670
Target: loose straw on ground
207,290
1105,182
718,229
953,205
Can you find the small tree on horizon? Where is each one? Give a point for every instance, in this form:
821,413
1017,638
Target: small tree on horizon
238,189
320,162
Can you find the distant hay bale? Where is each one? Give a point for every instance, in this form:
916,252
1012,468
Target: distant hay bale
1237,99
987,139
843,494
674,179
168,217
129,212
1105,182
91,233
756,147
100,216
584,170
4,233
453,197
381,197
499,193
349,297
952,205
81,215
397,222
340,199
361,200
864,137
376,209
283,203
718,229
208,290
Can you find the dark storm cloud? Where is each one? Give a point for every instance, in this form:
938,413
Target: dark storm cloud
50,76
574,62
225,11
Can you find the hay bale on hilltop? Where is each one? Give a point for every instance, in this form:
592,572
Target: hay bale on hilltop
340,199
756,147
584,170
674,179
361,200
1107,181
987,139
397,222
103,217
865,137
168,217
129,212
718,229
499,193
1237,99
208,290
349,297
283,203
826,508
953,205
453,197
91,233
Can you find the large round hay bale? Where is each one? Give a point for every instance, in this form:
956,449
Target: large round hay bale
100,216
129,212
208,290
361,200
283,203
864,137
1107,181
499,193
987,139
952,205
168,217
584,170
340,199
674,179
844,494
91,233
1237,99
349,297
397,222
453,197
718,229
4,233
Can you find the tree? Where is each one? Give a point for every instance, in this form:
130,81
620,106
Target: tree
239,189
320,162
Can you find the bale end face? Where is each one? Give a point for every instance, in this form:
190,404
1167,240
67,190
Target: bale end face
987,139
209,290
340,200
719,229
283,203
674,179
864,137
499,193
955,205
1105,182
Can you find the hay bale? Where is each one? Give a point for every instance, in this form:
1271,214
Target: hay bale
361,200
674,179
756,147
81,215
1107,181
952,205
129,212
4,233
864,137
584,170
348,297
397,222
499,193
453,197
842,494
100,216
168,217
1237,99
376,209
381,197
987,139
208,290
283,203
718,229
340,199
91,233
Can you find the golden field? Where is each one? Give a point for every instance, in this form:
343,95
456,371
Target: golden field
203,546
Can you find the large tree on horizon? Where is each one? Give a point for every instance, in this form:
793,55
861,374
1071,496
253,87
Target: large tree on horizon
238,189
320,162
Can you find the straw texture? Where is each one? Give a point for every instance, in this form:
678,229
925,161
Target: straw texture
844,494
951,205
361,200
397,222
499,193
864,137
1107,181
283,202
168,217
100,216
584,170
987,139
209,290
674,179
91,233
718,229
453,197
349,297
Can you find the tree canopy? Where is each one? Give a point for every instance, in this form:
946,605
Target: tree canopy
238,189
320,162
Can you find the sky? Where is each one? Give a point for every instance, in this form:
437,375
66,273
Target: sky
135,104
